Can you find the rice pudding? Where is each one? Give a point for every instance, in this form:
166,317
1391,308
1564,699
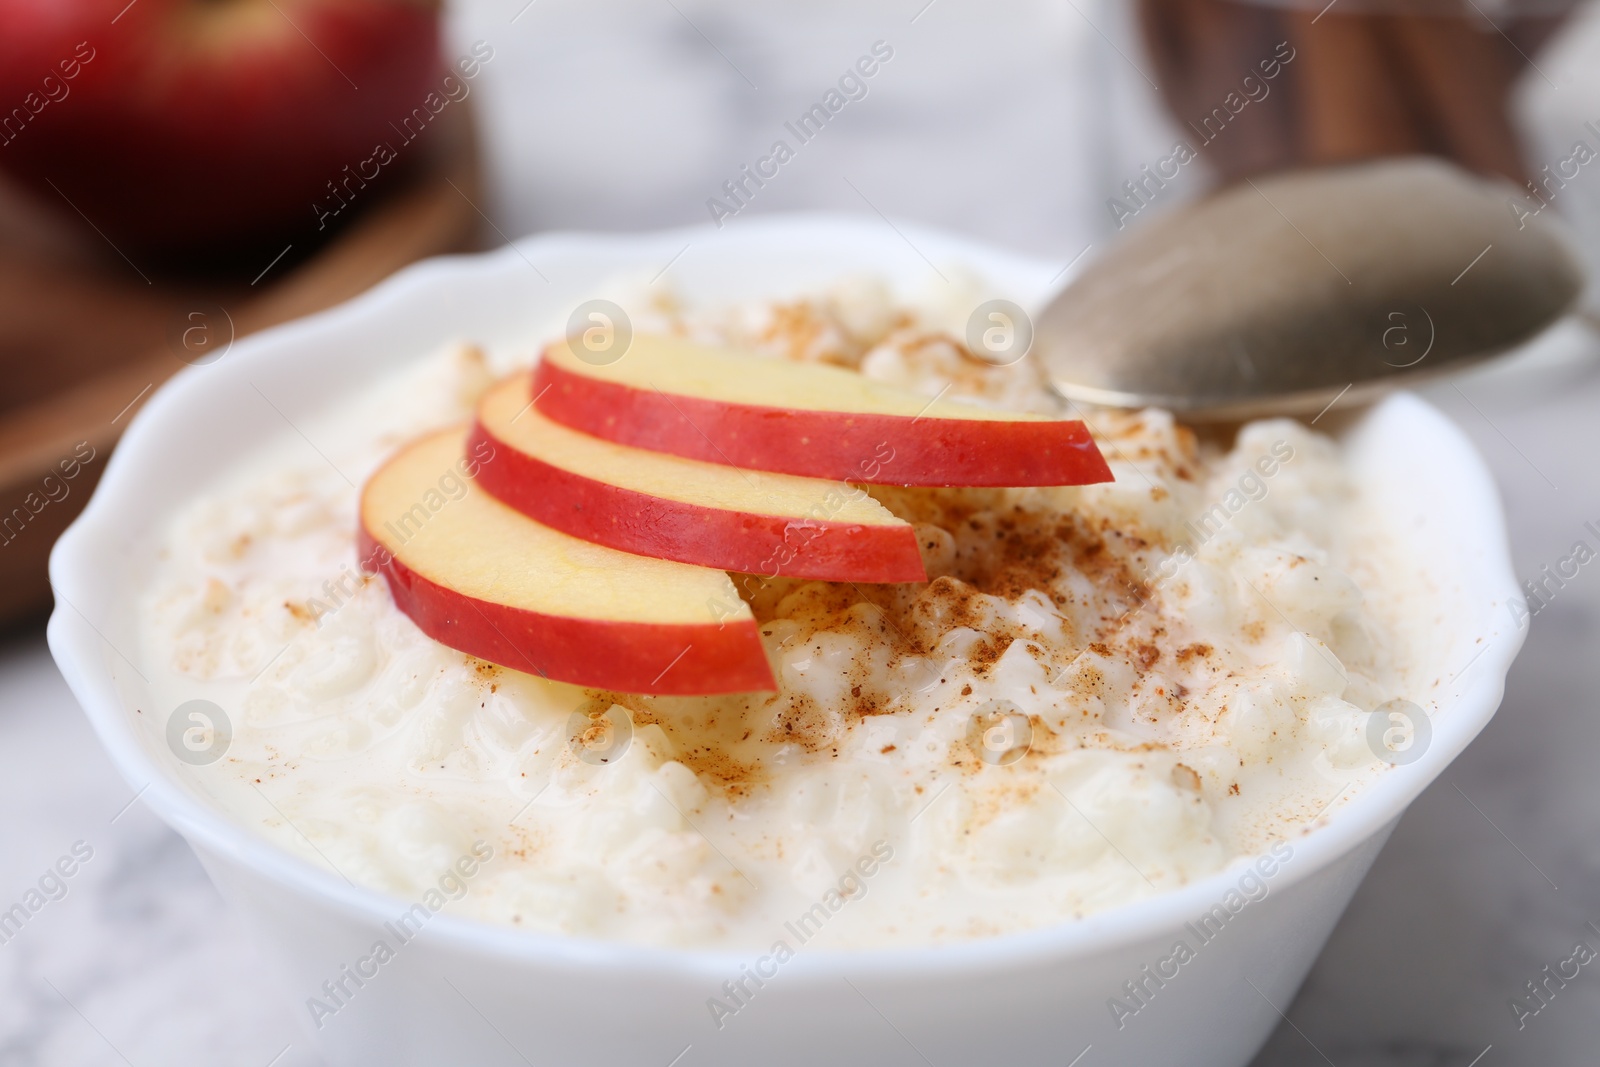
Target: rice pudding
1104,692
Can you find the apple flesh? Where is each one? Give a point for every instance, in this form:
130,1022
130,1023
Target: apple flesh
176,124
670,395
482,578
668,507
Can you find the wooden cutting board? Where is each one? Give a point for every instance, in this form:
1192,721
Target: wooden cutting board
86,337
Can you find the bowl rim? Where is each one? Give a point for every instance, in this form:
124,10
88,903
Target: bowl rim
82,655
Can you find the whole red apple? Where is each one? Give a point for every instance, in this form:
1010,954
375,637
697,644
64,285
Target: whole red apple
183,125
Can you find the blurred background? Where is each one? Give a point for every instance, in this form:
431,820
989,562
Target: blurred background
177,173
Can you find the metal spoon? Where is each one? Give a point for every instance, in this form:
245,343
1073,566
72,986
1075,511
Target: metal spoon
1282,294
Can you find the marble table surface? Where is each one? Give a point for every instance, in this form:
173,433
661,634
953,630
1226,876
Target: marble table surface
615,116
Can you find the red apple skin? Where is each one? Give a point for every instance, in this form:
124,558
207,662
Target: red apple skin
197,122
625,519
628,657
873,449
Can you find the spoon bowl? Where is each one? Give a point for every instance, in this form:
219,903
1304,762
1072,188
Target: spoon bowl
1280,295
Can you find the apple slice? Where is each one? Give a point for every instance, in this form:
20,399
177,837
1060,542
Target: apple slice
478,576
670,395
681,509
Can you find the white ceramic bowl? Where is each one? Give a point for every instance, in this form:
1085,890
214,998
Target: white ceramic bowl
468,992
